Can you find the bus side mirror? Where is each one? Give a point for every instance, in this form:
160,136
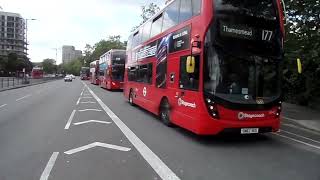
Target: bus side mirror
299,66
190,64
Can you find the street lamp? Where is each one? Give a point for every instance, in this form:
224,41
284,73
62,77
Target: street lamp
56,49
27,33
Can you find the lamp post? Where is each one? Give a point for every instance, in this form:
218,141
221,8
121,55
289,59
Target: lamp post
27,33
56,49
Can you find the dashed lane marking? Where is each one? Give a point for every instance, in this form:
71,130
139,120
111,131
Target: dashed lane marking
70,120
23,97
46,173
3,105
154,161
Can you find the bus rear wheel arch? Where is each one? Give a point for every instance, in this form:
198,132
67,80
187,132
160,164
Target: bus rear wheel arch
164,112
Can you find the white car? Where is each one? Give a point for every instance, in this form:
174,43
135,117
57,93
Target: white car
68,78
73,76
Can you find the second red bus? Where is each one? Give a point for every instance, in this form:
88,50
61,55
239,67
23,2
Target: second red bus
112,69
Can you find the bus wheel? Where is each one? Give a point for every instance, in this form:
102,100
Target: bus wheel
165,113
131,98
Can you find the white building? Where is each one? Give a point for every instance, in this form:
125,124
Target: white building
12,34
69,53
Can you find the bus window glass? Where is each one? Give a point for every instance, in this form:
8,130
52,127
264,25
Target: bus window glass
132,72
196,7
129,42
264,8
156,26
189,81
136,39
146,31
185,10
171,15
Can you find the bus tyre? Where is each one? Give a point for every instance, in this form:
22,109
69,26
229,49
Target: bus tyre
131,98
165,113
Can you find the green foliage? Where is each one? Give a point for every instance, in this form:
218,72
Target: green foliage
15,63
103,46
302,41
146,13
49,66
72,67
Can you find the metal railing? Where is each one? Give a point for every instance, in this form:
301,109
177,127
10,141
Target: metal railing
12,82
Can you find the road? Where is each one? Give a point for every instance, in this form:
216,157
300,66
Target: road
78,131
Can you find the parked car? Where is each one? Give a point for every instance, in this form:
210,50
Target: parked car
68,78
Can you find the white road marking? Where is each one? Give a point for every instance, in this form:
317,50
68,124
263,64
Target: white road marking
97,144
291,119
300,136
23,97
88,102
154,161
3,105
82,92
296,140
301,128
86,97
78,101
70,120
46,172
92,121
84,110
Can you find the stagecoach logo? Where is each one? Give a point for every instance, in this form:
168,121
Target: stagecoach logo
144,91
181,102
242,115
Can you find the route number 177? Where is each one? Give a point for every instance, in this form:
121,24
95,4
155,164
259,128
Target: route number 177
266,35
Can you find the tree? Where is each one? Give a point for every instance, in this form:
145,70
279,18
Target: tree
12,62
302,41
73,67
49,66
147,12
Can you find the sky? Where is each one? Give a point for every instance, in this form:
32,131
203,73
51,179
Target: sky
74,22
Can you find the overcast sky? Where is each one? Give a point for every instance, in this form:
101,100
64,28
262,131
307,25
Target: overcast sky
74,22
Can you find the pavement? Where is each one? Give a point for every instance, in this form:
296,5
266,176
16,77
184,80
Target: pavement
302,116
78,131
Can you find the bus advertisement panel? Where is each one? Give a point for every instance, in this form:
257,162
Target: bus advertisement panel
112,69
85,73
94,72
209,68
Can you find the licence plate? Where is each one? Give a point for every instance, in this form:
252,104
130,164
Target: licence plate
249,130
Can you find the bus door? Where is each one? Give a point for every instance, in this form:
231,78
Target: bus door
186,97
145,91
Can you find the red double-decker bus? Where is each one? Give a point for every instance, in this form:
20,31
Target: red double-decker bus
210,66
94,72
85,73
112,69
37,73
